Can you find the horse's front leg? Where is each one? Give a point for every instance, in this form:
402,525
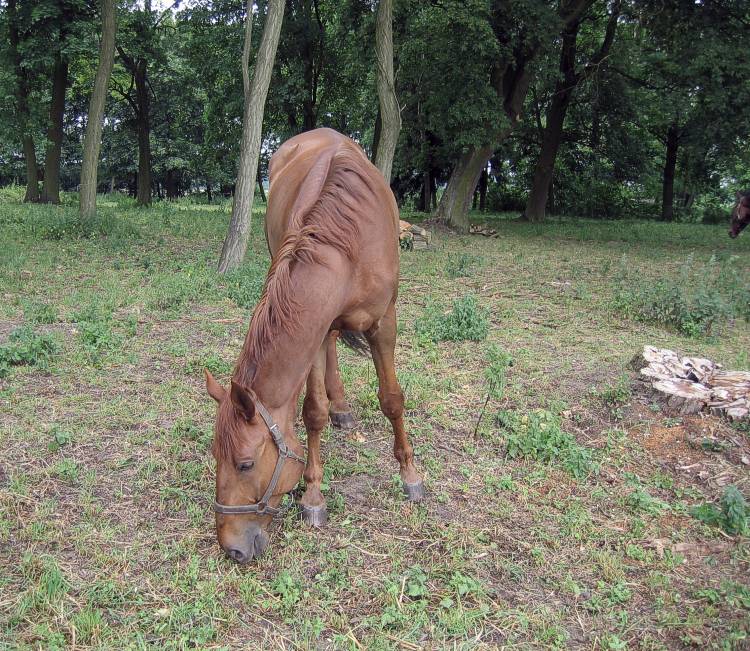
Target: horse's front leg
315,417
340,412
383,344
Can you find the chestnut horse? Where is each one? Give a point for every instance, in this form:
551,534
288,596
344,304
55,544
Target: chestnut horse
332,229
740,214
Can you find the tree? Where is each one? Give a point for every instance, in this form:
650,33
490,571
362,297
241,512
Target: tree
235,244
92,140
22,104
520,37
390,113
563,92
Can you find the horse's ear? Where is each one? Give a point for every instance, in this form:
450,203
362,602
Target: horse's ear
243,401
215,390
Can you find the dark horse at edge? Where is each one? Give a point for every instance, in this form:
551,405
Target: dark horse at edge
332,229
740,214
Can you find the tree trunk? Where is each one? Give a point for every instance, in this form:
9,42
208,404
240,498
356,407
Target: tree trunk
425,201
93,138
143,126
51,187
171,185
670,163
261,189
454,204
22,107
483,190
389,109
235,244
553,131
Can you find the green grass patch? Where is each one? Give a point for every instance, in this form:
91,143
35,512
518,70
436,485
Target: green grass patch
467,320
26,347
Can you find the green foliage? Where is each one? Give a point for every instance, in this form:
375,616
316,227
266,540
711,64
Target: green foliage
700,299
732,515
466,321
539,435
67,224
245,284
461,265
39,312
494,373
26,348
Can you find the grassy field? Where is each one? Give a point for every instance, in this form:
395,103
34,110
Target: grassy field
566,522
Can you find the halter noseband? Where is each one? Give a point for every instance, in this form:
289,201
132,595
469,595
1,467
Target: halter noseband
262,507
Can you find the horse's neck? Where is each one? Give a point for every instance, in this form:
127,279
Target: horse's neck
280,374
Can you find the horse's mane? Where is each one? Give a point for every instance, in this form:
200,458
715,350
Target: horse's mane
330,221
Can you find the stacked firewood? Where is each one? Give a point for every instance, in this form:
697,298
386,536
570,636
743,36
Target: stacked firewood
413,236
689,385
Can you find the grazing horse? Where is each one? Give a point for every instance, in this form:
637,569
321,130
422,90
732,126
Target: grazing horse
332,229
740,214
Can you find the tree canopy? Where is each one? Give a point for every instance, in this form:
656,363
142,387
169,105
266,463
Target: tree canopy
654,125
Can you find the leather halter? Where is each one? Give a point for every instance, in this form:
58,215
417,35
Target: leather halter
262,507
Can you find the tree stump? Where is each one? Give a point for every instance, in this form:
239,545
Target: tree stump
689,385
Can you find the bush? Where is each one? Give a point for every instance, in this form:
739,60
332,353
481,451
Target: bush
732,515
466,321
26,348
699,299
539,435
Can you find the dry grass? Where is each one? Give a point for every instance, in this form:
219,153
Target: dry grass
106,535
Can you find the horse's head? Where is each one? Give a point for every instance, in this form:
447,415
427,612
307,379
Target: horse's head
740,214
254,470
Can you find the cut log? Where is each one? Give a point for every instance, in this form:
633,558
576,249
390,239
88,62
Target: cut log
689,385
413,237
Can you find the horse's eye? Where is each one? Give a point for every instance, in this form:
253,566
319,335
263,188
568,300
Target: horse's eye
245,466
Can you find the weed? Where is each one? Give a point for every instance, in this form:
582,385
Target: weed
39,312
26,348
466,321
732,515
462,264
539,435
702,297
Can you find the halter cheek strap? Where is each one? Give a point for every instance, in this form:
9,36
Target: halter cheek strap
262,507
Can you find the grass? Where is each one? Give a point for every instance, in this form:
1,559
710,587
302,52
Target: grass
577,517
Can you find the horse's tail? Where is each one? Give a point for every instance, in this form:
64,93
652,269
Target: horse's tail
356,341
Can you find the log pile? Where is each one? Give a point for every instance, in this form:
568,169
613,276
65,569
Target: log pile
413,236
689,385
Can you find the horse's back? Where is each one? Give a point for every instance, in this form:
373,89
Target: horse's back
298,173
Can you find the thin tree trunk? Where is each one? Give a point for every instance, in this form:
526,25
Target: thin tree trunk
454,204
93,138
261,189
22,107
426,198
483,190
670,163
143,126
389,109
51,187
235,244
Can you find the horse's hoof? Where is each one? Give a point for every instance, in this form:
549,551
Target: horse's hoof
315,516
414,492
342,420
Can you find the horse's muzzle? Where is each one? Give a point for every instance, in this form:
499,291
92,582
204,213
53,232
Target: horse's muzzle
250,546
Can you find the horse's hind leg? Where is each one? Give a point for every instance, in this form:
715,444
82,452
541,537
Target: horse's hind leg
383,343
340,412
315,417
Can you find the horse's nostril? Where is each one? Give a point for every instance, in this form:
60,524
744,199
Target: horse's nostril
237,555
